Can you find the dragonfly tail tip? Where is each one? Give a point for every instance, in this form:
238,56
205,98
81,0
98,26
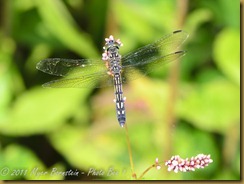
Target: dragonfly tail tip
122,124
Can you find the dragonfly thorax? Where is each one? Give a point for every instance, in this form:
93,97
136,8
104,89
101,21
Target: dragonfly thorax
111,55
114,66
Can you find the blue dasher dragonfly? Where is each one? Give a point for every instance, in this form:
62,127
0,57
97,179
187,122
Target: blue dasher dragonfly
115,70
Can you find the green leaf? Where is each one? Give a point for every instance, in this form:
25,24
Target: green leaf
214,106
41,110
14,158
143,21
58,20
196,18
227,53
92,149
5,91
19,162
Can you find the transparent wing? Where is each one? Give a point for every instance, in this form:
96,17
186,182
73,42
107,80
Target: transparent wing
131,73
152,52
96,80
64,67
93,73
76,73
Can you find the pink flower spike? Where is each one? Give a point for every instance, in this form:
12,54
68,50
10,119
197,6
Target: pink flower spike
178,164
175,163
156,161
157,164
158,167
176,170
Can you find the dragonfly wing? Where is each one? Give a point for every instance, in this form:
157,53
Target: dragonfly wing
75,72
131,73
63,67
149,53
89,81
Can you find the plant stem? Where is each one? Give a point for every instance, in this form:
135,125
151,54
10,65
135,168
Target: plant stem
182,6
146,171
130,152
152,166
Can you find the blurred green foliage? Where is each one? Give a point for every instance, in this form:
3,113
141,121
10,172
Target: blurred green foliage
77,128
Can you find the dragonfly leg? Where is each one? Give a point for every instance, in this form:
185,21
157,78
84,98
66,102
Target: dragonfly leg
110,73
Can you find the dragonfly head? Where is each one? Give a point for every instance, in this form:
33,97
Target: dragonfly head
111,45
111,42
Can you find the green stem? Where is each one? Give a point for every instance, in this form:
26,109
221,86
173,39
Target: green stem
130,152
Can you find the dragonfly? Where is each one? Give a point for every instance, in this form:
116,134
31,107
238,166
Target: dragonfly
114,69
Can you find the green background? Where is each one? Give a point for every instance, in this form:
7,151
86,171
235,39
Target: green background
77,129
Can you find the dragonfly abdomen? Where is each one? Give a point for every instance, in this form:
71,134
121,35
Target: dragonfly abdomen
119,99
